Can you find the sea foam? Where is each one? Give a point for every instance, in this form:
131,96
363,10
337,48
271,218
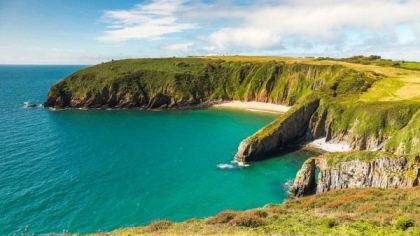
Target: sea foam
225,166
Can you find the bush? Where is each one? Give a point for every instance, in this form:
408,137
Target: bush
404,223
159,225
259,213
247,220
222,217
329,223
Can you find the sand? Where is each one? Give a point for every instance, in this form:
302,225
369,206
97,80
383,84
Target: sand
329,146
254,106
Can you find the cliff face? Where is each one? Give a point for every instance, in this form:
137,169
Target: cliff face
180,82
356,170
278,135
363,125
390,126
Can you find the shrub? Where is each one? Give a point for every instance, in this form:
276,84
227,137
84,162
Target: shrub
247,220
259,213
404,223
159,225
329,223
222,217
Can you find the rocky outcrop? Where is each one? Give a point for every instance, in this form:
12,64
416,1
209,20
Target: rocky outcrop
278,135
111,97
356,170
304,182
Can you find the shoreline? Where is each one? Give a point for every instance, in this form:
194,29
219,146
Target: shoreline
322,144
253,106
236,105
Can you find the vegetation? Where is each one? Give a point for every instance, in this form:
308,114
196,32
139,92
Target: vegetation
137,81
377,60
344,212
407,139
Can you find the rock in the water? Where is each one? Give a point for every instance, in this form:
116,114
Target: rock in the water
305,179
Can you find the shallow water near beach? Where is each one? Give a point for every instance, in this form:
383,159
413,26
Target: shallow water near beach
98,170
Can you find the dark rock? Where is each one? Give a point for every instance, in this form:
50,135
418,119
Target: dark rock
158,101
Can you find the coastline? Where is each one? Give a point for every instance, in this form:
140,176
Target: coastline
323,145
253,106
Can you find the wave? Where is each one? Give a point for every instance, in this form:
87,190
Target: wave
232,165
286,186
224,166
32,105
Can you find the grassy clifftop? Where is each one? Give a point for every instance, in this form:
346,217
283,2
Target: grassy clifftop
344,212
136,82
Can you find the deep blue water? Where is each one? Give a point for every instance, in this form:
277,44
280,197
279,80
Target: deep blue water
89,171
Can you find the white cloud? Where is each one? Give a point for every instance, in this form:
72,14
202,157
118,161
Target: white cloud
151,20
179,47
264,27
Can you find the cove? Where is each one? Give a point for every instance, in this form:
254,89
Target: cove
98,170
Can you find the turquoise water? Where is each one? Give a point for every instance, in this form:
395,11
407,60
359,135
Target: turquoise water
89,171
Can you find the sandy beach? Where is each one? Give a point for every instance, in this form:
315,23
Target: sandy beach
329,146
254,106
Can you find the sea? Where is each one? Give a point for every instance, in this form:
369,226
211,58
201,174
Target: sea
86,171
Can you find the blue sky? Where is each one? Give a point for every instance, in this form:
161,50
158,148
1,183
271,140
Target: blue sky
88,32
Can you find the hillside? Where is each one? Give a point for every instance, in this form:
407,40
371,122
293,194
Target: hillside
171,82
344,212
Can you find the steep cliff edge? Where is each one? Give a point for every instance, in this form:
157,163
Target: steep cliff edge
180,82
361,169
278,135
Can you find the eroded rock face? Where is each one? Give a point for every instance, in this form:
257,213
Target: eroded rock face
379,173
382,172
304,182
292,128
110,98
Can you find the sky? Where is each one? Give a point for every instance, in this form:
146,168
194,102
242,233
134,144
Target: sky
89,32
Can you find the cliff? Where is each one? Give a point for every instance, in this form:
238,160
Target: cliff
335,171
278,135
181,82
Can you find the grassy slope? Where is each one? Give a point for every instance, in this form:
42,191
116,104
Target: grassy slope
272,80
345,212
393,98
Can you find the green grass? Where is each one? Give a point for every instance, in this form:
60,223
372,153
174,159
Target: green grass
411,65
384,88
407,139
209,79
377,60
344,212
